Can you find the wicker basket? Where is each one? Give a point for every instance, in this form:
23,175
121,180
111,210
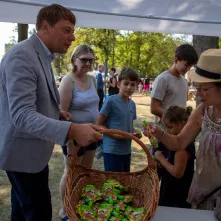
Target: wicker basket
143,185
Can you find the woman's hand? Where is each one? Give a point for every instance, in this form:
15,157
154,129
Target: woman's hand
64,115
145,131
150,130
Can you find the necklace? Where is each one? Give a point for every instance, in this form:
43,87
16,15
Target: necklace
215,118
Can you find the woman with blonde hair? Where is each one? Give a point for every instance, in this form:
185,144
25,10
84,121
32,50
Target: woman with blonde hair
206,121
78,95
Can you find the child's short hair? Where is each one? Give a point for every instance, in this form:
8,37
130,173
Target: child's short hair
177,114
128,74
186,52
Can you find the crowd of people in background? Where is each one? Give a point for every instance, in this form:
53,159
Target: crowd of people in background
34,115
145,85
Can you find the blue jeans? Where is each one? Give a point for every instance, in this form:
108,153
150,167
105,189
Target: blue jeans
117,163
30,196
100,93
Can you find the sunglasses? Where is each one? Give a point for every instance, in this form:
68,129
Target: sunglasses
85,60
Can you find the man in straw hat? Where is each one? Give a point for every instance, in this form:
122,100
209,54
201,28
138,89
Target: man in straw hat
29,114
207,120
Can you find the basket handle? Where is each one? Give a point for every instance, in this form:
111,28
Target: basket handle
111,133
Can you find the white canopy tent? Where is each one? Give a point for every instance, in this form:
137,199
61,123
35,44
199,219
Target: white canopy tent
200,17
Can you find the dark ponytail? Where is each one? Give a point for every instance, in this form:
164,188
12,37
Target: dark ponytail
177,114
189,110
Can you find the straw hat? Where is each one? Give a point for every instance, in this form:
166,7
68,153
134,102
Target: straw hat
208,68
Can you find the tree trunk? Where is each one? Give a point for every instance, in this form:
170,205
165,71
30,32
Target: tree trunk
22,32
139,34
201,44
59,64
113,48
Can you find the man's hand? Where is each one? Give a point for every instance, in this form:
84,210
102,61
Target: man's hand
84,134
64,115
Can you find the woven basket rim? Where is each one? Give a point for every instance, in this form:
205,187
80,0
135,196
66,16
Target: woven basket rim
110,132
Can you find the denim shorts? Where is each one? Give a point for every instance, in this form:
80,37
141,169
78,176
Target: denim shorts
90,147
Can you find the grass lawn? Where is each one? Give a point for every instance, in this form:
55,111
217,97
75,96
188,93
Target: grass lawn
56,162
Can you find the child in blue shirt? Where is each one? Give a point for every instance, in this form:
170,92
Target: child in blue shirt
118,112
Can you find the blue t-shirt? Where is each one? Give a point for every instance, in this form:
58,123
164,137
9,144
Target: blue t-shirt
120,115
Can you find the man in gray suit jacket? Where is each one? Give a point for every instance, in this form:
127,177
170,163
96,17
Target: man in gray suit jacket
29,114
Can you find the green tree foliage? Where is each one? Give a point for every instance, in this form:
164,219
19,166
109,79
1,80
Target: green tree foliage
103,41
59,64
150,53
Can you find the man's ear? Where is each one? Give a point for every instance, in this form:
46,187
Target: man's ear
175,59
45,26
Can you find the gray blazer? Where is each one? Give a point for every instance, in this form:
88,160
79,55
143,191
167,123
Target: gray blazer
29,113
